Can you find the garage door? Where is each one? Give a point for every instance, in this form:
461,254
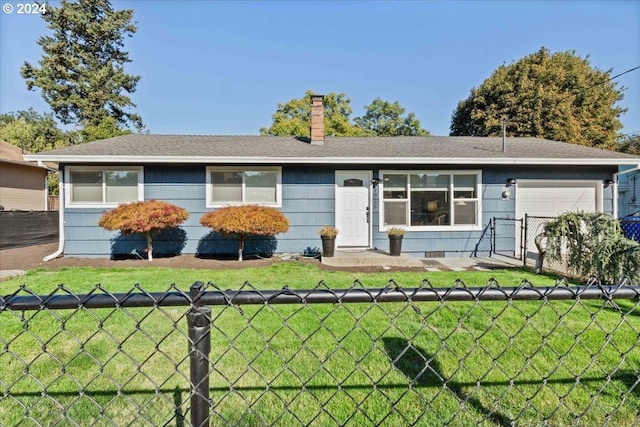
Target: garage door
552,198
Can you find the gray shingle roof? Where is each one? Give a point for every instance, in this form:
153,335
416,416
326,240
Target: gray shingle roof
137,148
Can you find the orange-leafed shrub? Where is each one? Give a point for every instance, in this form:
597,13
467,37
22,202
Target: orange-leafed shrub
244,221
146,218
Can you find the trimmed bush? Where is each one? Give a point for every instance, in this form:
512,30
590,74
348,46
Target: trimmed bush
244,221
146,218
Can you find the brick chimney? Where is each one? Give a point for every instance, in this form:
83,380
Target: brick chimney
317,120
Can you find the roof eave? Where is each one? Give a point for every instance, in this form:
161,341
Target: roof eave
324,160
28,164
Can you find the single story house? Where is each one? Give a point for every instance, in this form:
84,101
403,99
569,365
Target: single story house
23,184
443,190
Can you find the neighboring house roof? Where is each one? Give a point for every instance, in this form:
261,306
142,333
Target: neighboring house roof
145,148
13,154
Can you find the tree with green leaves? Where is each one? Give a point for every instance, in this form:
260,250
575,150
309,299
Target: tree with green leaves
35,132
557,96
294,117
107,128
383,118
31,131
629,143
81,73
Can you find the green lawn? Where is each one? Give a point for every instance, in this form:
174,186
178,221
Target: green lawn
296,275
355,364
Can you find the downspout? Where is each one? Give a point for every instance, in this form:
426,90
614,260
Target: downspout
60,249
46,190
615,188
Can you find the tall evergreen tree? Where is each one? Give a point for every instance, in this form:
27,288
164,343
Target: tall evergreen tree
556,96
81,73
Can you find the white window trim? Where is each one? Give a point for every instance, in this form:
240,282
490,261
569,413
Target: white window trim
242,168
68,185
462,227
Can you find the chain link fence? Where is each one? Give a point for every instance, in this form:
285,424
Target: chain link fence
459,356
533,227
631,229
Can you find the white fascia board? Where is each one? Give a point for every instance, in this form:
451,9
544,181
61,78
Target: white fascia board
325,160
27,164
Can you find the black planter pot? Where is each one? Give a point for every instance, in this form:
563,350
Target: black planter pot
328,246
395,245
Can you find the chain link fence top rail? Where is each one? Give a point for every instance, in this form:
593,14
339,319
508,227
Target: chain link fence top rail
459,356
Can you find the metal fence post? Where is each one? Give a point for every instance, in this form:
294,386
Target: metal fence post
492,224
199,321
522,236
525,239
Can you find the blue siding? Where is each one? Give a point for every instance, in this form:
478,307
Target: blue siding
463,243
308,194
308,201
629,188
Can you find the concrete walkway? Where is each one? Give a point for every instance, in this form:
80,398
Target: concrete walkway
374,258
466,264
369,258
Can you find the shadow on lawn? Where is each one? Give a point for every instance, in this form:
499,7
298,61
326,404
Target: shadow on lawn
423,369
627,307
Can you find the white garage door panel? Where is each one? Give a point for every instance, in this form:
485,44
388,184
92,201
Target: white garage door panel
551,199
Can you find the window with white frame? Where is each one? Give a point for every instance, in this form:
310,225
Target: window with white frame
103,186
244,185
425,199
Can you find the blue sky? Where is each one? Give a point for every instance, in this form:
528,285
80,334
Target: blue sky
221,67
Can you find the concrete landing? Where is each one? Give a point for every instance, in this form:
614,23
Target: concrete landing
467,264
376,258
369,258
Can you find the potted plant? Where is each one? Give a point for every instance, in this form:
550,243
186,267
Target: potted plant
395,240
328,235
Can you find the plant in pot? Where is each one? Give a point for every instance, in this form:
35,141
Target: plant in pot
395,240
328,235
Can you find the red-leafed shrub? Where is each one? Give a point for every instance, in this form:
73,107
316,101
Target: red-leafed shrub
146,218
244,221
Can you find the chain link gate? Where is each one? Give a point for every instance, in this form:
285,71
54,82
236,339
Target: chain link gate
561,355
508,237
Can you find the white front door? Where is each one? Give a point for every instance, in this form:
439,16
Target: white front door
352,208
